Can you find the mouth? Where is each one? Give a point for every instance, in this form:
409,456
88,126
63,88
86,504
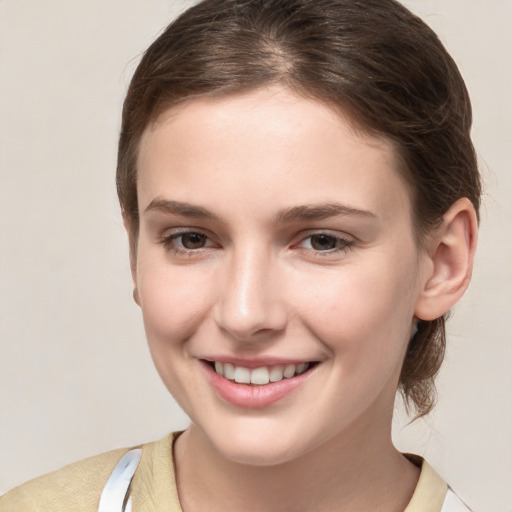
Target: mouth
262,375
257,386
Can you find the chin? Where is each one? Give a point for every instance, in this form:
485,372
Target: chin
256,455
257,446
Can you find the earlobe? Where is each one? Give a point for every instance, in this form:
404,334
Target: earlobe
451,251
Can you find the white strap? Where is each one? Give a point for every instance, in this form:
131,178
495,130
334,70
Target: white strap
452,503
114,493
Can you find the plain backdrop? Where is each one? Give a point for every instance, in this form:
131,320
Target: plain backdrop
75,375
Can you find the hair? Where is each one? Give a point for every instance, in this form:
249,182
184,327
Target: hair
374,59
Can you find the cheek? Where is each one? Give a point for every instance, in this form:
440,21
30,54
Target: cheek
361,310
172,299
173,306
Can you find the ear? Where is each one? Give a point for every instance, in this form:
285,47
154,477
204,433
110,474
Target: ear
450,253
132,240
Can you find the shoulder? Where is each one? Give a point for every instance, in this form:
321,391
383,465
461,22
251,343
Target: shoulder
75,487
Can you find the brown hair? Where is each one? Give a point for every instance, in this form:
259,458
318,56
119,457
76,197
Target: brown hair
373,58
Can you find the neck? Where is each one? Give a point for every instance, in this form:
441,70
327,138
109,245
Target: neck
356,471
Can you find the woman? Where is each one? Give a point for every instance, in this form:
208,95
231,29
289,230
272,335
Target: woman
300,194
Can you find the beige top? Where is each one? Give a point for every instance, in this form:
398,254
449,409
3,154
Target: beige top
77,487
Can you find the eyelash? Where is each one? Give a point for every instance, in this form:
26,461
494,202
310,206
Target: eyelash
169,242
341,244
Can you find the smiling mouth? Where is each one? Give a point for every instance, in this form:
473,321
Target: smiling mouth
262,375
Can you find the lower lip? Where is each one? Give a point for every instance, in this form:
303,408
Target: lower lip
253,396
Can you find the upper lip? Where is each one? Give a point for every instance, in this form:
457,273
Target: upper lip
256,362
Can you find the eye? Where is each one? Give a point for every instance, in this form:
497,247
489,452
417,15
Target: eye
324,242
186,242
191,240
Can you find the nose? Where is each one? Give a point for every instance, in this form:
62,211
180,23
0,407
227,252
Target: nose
250,305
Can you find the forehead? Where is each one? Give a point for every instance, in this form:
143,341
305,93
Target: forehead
273,143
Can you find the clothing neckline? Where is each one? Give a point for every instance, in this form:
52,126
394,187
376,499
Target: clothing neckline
155,484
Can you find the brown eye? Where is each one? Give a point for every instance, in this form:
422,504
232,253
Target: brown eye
193,240
324,242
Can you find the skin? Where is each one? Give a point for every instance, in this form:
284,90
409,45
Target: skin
257,168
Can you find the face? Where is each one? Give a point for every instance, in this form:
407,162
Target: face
276,271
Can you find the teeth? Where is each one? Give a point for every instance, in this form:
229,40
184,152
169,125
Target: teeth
219,368
259,376
242,375
289,371
276,373
301,368
229,371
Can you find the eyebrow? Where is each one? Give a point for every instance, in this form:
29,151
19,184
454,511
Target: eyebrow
319,212
180,208
295,213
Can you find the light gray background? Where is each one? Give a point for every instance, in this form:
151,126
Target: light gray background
75,376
